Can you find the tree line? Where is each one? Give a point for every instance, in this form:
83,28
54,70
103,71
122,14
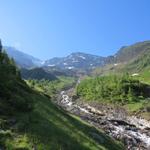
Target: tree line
113,88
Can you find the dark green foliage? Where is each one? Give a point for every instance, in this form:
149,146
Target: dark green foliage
0,46
148,108
37,73
13,90
122,89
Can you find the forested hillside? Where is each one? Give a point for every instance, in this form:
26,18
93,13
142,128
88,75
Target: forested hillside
14,91
117,89
37,74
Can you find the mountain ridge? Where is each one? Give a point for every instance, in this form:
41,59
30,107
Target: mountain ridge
77,60
22,59
80,60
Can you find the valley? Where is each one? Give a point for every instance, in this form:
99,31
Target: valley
80,101
29,120
75,75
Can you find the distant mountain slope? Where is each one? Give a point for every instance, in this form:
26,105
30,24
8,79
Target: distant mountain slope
125,55
37,73
71,62
82,61
134,58
58,71
141,63
22,59
77,61
128,53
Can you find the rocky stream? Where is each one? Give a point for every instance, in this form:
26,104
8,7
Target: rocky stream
132,131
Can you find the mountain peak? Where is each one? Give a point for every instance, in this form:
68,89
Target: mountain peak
77,60
80,60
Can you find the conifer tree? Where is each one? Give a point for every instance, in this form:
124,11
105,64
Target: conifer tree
1,47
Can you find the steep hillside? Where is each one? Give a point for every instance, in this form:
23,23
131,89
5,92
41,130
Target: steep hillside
14,91
141,63
132,59
48,128
128,53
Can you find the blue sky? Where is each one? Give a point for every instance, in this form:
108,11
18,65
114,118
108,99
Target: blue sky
48,28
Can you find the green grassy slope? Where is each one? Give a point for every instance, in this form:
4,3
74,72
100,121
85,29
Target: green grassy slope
49,127
139,64
144,76
51,88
